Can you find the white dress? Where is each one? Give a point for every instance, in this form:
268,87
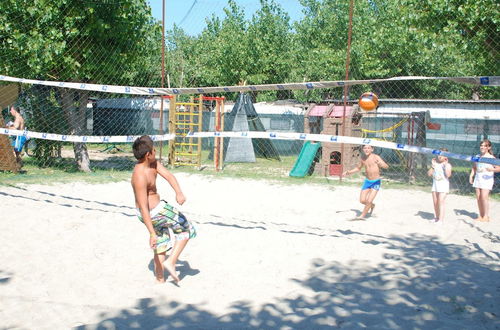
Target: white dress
484,179
440,183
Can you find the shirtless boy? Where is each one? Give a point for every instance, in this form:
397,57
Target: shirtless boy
157,214
372,163
19,140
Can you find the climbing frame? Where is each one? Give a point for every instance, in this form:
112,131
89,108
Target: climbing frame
185,118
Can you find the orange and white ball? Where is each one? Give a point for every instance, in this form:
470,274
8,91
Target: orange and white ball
368,101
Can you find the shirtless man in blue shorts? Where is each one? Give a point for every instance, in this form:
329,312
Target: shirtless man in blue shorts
372,164
19,140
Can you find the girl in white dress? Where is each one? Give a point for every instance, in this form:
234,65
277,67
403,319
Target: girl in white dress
440,172
482,179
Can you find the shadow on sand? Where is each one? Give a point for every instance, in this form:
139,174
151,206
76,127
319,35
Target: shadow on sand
422,284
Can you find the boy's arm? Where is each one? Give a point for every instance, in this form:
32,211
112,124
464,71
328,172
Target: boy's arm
354,170
139,185
381,162
179,195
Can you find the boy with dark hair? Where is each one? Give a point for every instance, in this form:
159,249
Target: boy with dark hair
161,219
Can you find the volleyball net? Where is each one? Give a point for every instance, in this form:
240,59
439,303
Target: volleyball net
88,82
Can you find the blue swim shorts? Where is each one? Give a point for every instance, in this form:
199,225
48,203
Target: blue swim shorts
18,142
371,184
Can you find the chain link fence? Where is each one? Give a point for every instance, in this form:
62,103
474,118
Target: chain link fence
102,42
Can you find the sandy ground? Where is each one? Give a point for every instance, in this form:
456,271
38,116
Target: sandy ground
267,256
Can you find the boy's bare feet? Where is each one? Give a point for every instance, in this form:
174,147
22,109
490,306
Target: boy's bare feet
479,218
159,275
484,219
160,278
171,270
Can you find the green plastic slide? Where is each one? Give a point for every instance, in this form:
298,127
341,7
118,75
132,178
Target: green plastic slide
305,160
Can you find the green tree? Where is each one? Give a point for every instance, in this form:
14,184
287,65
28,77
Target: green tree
79,41
270,45
411,37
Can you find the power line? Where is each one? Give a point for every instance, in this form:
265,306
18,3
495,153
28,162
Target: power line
188,12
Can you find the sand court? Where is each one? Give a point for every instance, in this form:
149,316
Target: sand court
267,255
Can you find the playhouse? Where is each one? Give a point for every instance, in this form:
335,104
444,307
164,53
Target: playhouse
329,119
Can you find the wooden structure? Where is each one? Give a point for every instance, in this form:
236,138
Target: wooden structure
329,119
8,95
219,127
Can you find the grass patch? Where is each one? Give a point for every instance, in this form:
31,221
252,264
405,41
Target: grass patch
32,174
119,167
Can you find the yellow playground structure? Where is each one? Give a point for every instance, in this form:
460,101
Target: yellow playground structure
186,118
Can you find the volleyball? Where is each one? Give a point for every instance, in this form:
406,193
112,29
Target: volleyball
368,101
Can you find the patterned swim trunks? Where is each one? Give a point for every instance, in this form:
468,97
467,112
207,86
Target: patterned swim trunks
165,216
371,184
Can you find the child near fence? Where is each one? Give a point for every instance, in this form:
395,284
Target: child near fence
482,178
19,140
441,173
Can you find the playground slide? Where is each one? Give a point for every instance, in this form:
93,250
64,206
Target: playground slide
305,160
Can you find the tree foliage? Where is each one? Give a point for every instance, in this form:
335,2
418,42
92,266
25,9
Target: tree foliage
82,41
409,37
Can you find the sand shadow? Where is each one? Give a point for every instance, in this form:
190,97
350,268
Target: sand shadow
5,277
183,268
26,194
425,215
495,239
358,212
472,215
411,288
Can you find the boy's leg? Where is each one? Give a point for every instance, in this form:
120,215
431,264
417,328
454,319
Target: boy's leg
363,196
370,197
174,256
159,258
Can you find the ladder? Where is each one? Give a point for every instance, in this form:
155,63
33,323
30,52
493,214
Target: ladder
185,118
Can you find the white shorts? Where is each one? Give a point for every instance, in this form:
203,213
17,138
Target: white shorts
484,180
441,186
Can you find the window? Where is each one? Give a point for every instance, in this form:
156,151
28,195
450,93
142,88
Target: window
280,124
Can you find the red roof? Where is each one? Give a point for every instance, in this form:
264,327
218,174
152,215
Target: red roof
318,110
338,111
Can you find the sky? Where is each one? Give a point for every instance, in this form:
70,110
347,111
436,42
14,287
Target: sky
190,14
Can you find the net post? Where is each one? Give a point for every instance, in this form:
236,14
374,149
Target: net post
217,139
171,130
221,148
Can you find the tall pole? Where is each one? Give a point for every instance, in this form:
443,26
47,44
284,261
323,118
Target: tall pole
162,70
347,64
